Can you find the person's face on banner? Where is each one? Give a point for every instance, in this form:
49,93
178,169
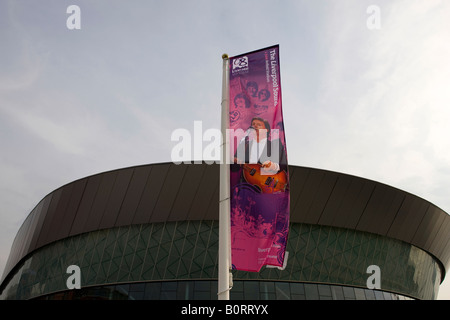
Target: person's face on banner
259,125
240,103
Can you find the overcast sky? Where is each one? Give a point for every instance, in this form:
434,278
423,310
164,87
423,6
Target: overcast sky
361,95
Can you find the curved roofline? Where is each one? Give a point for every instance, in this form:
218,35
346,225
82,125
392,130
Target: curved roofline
165,191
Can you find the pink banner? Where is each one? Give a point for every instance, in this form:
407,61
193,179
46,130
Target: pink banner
259,178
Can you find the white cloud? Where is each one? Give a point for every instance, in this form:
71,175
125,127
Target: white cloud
384,112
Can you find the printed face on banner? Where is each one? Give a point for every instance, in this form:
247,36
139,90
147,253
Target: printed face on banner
259,176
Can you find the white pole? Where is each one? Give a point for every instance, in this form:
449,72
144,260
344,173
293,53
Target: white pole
224,275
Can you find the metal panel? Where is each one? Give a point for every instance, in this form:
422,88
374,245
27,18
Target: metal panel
41,212
433,242
333,202
297,182
436,224
63,229
389,209
43,238
151,193
98,205
169,192
29,230
442,238
212,211
207,195
116,198
355,201
408,218
307,208
380,211
444,253
323,192
427,229
22,236
133,196
187,192
61,211
84,209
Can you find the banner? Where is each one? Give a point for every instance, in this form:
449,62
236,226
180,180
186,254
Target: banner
259,179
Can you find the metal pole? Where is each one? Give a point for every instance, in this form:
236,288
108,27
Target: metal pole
224,275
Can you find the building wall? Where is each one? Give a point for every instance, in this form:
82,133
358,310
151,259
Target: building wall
341,224
187,251
207,290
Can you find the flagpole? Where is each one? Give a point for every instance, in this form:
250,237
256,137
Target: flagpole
224,274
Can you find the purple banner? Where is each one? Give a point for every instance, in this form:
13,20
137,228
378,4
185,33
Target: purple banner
259,181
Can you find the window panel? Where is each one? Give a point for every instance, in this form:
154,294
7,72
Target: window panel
188,249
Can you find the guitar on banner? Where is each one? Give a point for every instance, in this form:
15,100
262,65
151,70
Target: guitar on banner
266,183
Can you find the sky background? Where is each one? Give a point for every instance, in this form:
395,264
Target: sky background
374,103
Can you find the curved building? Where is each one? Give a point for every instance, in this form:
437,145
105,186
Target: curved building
151,232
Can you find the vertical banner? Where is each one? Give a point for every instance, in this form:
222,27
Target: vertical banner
259,185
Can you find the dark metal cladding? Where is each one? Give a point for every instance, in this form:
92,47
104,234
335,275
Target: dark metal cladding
169,192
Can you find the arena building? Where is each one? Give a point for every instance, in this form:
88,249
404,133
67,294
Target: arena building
151,232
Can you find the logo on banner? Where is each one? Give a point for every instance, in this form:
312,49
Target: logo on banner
240,65
234,116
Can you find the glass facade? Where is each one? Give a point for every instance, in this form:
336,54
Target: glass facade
207,290
178,260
